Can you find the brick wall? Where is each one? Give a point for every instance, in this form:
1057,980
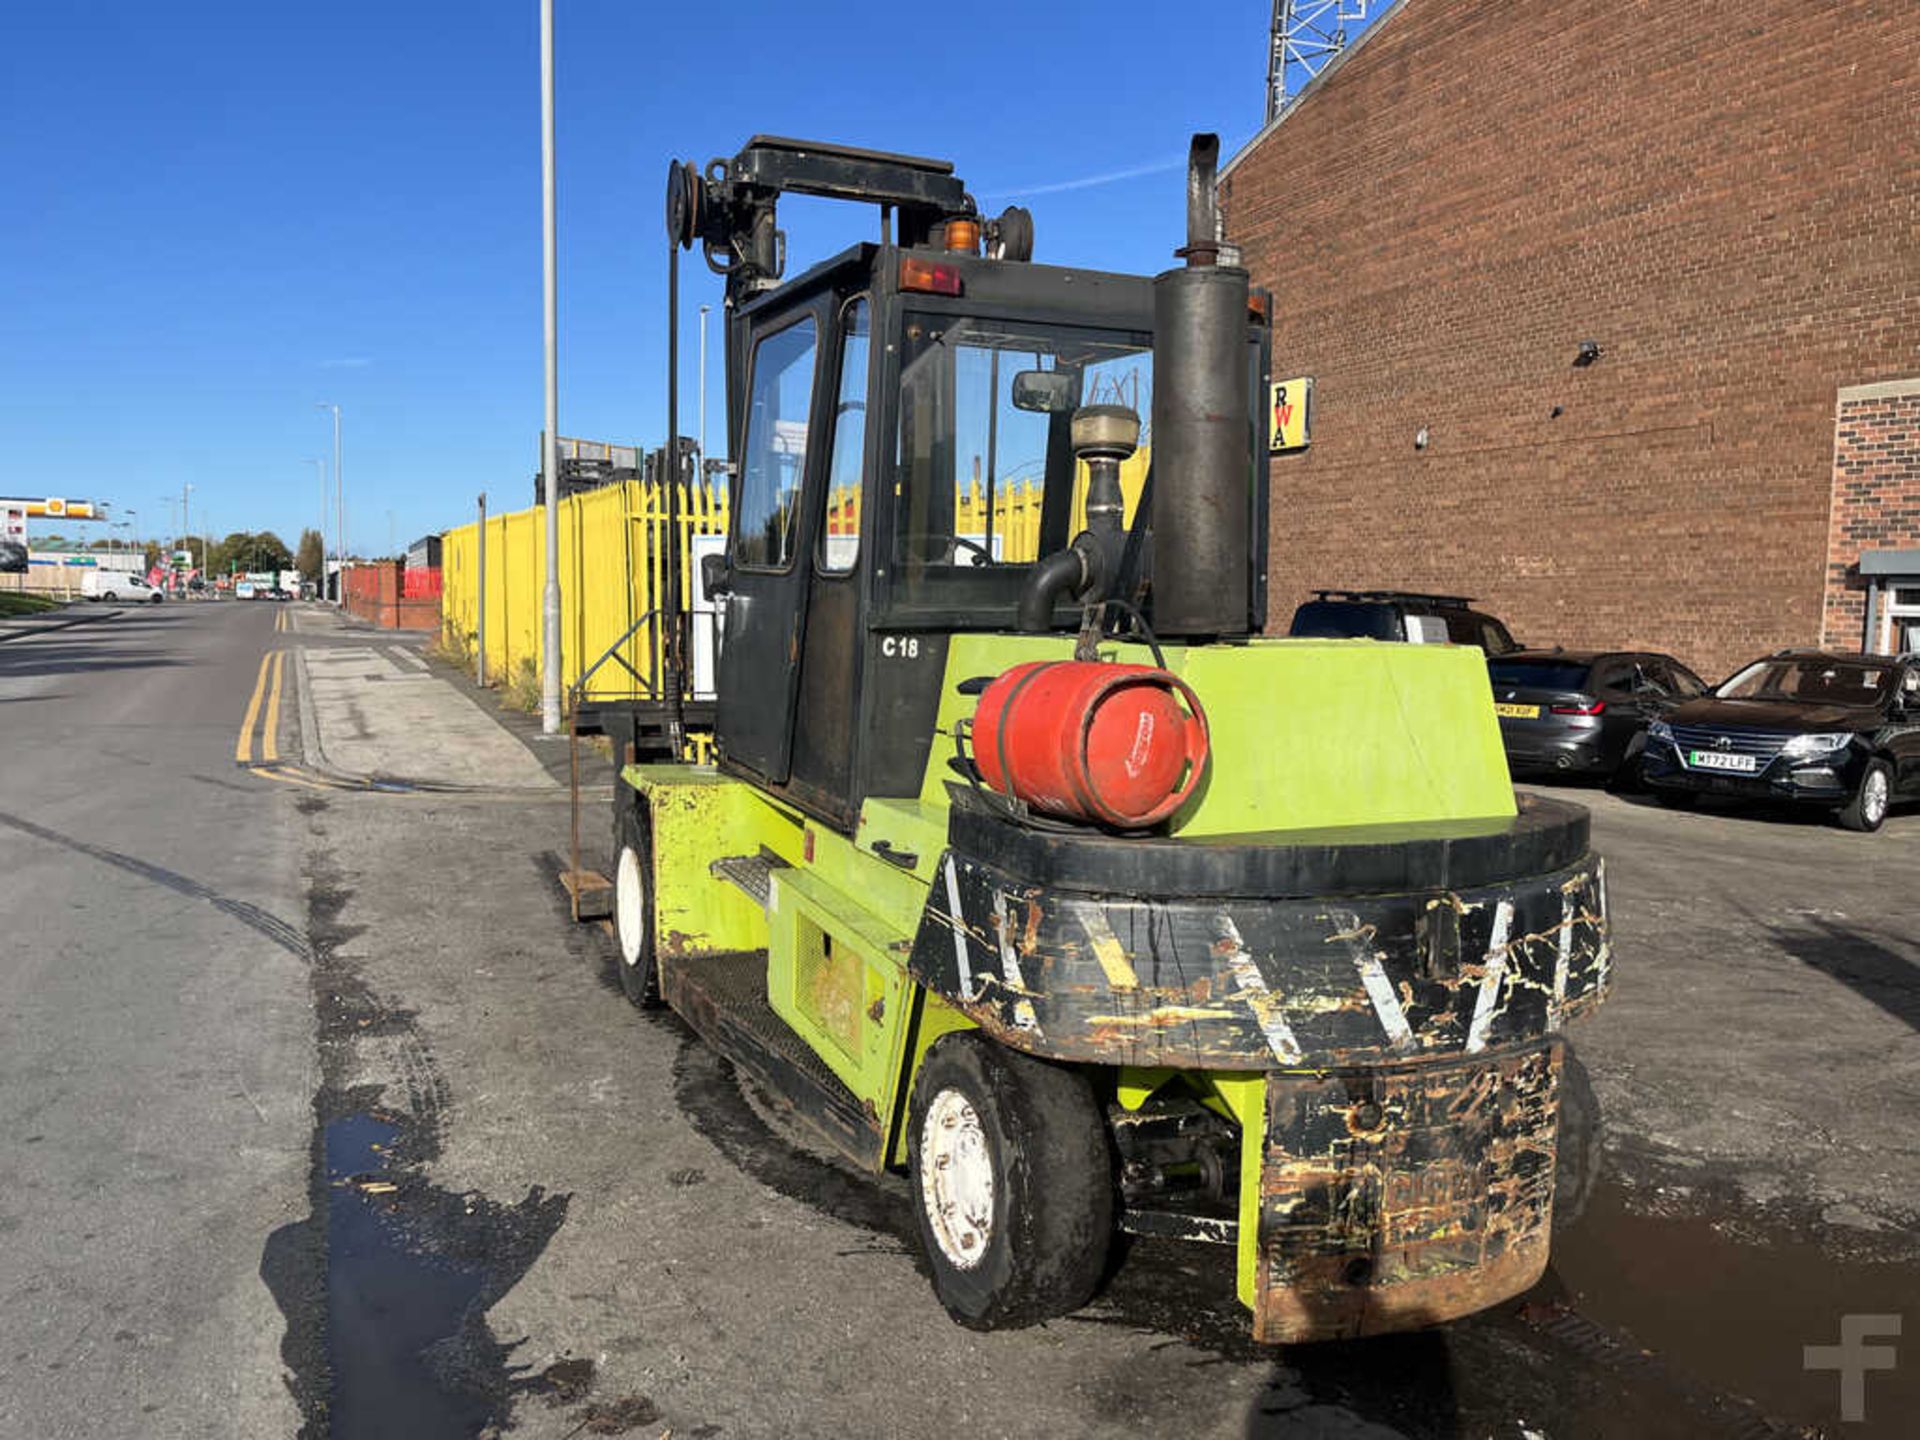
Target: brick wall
1876,495
1726,202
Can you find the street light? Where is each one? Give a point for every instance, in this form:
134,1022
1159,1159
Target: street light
550,447
340,505
321,466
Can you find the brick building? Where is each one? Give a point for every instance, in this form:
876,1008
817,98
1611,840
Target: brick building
1725,200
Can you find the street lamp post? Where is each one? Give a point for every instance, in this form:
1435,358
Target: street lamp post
340,511
321,466
550,448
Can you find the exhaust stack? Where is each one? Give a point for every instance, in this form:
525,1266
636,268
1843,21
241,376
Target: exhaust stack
1202,454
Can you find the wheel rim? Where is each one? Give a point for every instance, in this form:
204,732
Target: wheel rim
630,896
956,1179
1873,797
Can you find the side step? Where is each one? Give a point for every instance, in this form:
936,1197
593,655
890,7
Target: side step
724,998
752,875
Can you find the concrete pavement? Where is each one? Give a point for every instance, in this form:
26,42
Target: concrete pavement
372,709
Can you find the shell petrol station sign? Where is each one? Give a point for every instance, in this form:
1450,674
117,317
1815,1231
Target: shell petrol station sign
1290,414
16,510
56,509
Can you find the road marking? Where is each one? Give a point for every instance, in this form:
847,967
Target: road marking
270,734
243,748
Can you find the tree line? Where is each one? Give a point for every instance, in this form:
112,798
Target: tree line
241,551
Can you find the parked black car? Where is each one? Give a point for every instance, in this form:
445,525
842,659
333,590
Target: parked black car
1400,615
1818,727
1584,712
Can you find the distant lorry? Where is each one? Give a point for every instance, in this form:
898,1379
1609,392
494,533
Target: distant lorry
109,584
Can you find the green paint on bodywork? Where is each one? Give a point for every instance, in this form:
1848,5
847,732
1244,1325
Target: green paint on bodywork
837,974
936,1018
699,816
1135,1085
837,929
1245,1097
1306,734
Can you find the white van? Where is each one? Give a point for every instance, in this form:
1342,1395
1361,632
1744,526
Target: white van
118,585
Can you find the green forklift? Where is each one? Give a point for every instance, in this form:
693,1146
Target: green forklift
1026,864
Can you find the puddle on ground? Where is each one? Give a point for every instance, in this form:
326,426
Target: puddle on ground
1733,1311
393,1303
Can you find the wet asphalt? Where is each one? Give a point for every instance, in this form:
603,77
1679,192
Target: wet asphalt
466,1190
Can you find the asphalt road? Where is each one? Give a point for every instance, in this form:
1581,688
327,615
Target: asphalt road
322,1113
156,1033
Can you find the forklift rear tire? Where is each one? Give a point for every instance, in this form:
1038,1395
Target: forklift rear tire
1013,1174
633,904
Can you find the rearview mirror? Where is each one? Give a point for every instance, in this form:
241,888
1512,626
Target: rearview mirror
1045,392
716,575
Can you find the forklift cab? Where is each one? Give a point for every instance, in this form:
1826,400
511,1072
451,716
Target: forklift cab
901,419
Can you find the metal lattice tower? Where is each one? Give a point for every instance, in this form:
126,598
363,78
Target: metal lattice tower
1307,34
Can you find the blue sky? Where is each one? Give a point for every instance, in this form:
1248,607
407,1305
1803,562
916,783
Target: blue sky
220,214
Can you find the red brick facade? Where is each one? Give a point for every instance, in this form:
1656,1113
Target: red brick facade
1727,203
1876,496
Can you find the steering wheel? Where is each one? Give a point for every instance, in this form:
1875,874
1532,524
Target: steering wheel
981,555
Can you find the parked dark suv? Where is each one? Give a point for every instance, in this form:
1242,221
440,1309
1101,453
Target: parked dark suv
1399,615
1584,712
1812,726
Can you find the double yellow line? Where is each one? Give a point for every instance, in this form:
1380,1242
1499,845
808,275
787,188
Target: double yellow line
273,666
282,622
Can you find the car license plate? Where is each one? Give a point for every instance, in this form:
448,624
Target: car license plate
1517,712
1722,760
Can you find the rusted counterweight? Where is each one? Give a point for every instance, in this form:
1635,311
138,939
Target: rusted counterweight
1408,1030
1397,1197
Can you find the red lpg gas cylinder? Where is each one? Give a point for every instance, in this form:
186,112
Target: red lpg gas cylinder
1091,741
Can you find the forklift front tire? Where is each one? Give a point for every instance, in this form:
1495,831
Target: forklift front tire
1013,1178
633,906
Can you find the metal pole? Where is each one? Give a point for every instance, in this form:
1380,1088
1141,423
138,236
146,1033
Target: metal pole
340,509
703,384
550,440
480,671
321,466
671,470
186,539
340,517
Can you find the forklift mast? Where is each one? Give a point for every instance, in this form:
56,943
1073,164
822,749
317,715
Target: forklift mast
730,209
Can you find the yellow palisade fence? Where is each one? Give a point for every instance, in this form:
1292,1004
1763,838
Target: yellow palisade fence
612,573
612,568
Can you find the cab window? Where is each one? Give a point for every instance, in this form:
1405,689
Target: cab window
984,476
840,536
778,413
